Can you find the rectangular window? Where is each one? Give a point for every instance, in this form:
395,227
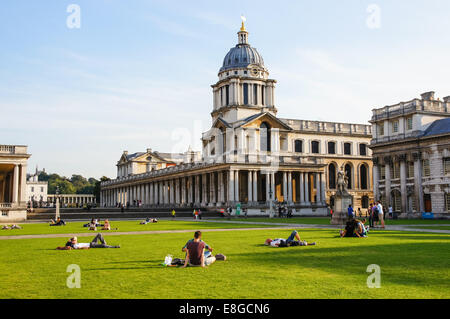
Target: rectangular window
447,166
4,213
32,189
331,148
315,147
410,169
227,95
396,170
255,94
409,123
362,149
245,89
381,129
395,126
42,189
426,167
383,172
447,201
298,146
347,148
263,92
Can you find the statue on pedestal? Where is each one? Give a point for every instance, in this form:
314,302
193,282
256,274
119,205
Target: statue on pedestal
342,199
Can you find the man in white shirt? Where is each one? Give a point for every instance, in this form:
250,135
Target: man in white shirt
281,242
74,244
380,214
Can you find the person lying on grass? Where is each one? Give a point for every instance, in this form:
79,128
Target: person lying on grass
149,220
107,226
59,222
195,253
281,242
14,226
74,244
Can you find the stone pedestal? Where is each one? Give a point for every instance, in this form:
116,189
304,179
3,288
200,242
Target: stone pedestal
341,203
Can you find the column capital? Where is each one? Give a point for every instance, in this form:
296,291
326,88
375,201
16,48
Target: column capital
387,160
402,157
417,155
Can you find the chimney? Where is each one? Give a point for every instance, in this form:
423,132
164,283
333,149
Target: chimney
125,152
447,99
149,150
428,96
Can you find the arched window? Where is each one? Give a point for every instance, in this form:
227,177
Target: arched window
349,173
264,132
298,146
227,95
363,176
332,176
364,202
331,148
315,147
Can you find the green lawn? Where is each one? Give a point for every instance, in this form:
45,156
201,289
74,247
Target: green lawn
413,265
123,226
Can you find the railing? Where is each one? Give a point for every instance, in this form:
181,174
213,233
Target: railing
5,205
7,149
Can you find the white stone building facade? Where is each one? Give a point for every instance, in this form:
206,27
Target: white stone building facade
250,156
411,155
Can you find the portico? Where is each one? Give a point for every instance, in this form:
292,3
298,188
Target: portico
13,171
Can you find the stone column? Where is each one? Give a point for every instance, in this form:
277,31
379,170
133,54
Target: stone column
267,187
302,188
220,189
250,187
322,188
212,189
285,187
272,184
204,195
376,179
255,186
404,195
290,197
183,190
318,191
197,190
236,186
418,189
387,183
23,183
306,177
15,197
231,186
177,191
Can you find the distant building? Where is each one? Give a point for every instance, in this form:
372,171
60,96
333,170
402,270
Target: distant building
13,174
36,190
411,155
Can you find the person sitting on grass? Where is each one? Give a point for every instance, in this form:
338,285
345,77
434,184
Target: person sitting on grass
195,253
107,225
74,244
281,242
149,220
59,222
208,249
360,229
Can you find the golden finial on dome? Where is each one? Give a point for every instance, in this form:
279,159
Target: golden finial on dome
243,23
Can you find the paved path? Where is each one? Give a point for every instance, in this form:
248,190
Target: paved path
150,232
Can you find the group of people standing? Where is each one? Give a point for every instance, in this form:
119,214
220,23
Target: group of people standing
376,214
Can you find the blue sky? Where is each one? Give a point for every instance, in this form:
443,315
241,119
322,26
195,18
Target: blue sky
137,74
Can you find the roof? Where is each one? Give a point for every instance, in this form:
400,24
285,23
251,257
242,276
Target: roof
438,127
241,56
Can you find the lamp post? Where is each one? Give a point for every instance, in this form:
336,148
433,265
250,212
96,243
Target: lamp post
57,202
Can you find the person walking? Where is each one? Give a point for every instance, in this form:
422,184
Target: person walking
350,212
380,213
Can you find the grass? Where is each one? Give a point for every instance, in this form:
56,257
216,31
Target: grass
413,265
123,226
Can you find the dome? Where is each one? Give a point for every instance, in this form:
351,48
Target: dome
241,56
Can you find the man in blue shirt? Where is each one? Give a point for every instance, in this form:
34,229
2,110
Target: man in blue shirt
350,212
